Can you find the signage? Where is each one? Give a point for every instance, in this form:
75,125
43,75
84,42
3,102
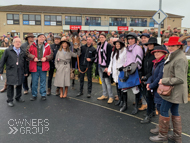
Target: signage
120,28
75,27
9,21
53,23
32,22
25,22
159,16
46,23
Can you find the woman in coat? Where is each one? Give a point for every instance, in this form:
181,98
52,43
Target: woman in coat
146,73
159,53
118,58
175,74
62,65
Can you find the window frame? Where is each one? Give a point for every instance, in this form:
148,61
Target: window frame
37,22
77,20
57,22
14,20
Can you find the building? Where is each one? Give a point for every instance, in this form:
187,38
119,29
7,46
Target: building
22,19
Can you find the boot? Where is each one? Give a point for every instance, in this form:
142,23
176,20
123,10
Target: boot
143,107
49,92
137,98
177,129
73,83
124,107
155,131
163,130
57,91
146,120
121,104
61,92
119,96
4,88
66,91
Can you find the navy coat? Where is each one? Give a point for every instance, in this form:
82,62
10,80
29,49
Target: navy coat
157,73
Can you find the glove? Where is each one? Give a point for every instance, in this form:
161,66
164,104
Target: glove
120,69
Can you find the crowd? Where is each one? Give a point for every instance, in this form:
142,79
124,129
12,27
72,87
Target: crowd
156,74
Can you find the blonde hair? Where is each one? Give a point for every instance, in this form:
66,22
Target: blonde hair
61,47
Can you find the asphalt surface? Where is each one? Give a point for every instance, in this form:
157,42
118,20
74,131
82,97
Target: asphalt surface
76,120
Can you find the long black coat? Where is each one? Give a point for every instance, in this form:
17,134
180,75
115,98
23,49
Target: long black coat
54,48
14,73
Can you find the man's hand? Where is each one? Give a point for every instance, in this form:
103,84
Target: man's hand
35,59
108,73
147,87
88,59
26,75
43,59
106,69
160,82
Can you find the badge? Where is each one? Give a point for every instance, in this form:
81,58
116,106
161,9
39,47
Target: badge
101,50
16,63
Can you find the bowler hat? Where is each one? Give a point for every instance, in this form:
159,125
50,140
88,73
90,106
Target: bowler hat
152,40
159,48
120,41
173,41
131,35
66,42
29,35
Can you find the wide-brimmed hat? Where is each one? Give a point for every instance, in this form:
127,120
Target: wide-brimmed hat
66,42
173,41
29,35
120,41
152,40
131,35
159,48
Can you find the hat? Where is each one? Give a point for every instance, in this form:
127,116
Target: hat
131,29
48,39
40,34
50,32
8,33
178,28
188,40
166,39
146,35
57,36
120,41
66,42
29,35
185,29
159,48
131,35
173,41
152,40
151,28
103,33
83,39
167,31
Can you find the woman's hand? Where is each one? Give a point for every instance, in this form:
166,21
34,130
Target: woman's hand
106,70
160,82
108,73
147,87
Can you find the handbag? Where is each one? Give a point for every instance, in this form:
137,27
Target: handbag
164,90
132,81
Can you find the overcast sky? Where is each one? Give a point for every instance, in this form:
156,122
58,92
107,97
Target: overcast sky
179,7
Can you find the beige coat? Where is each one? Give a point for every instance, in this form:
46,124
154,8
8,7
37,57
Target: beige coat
175,74
62,65
184,49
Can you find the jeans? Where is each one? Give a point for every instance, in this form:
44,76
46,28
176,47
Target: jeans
89,75
106,83
165,106
158,107
35,76
150,102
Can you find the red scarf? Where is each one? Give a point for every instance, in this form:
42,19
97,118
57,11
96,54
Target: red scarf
157,61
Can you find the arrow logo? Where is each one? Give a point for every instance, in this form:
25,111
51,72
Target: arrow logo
13,130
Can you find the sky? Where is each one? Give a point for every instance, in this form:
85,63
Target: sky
169,6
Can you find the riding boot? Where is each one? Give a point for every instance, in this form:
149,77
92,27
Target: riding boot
163,130
4,88
155,131
121,103
119,95
137,98
177,129
124,107
73,83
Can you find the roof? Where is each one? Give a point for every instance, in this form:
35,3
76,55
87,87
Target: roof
81,11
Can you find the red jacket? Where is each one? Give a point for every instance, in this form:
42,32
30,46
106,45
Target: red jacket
32,53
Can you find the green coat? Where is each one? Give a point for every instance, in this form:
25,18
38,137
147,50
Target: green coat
175,74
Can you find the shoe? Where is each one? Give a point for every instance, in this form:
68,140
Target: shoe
10,104
33,98
116,98
79,94
89,95
25,92
143,107
124,107
4,88
155,131
49,92
110,100
177,129
57,92
163,130
43,98
121,104
153,114
118,103
146,120
102,97
20,100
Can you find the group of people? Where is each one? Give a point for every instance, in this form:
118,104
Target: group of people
154,64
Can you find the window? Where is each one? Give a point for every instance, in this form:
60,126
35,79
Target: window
93,21
117,21
153,23
30,19
13,19
55,20
73,20
139,22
